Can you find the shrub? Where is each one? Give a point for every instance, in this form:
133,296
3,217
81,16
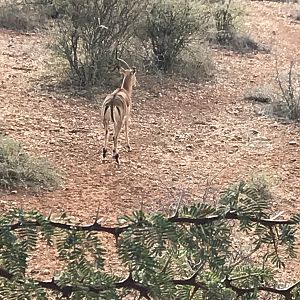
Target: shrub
18,169
225,17
289,103
89,32
260,183
169,28
195,64
226,30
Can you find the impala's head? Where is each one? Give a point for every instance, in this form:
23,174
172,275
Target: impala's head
129,74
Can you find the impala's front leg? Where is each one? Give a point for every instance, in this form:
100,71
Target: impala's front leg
126,133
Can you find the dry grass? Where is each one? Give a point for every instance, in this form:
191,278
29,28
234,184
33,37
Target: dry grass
263,94
16,16
18,169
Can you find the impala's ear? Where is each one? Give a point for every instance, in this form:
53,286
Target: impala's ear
133,70
121,70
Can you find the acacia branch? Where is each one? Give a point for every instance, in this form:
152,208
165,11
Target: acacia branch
130,283
230,215
116,231
286,292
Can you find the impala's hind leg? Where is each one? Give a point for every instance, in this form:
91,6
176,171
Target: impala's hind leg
118,126
105,124
126,121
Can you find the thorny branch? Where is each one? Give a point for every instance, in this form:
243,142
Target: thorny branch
116,231
286,292
130,283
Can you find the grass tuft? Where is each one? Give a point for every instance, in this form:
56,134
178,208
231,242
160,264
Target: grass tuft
19,170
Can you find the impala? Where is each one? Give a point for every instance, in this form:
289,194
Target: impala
116,108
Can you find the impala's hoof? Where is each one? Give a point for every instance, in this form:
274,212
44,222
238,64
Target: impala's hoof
104,152
116,157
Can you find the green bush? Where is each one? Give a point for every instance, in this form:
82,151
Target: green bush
169,28
19,170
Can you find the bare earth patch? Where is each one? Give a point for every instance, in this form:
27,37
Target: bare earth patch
181,134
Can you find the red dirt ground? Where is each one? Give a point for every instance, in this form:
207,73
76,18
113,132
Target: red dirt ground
181,138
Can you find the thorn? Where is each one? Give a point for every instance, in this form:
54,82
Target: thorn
49,217
97,214
166,264
179,204
194,292
142,205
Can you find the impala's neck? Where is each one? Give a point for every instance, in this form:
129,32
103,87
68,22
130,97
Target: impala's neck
127,85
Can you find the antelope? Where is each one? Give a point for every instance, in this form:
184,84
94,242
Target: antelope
116,108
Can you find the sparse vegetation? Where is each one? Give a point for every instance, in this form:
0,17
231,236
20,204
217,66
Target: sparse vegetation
195,64
225,16
285,99
288,104
22,16
19,170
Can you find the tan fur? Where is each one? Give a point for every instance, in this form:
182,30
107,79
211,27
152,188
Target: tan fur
116,108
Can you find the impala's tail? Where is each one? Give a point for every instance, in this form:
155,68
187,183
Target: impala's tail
114,109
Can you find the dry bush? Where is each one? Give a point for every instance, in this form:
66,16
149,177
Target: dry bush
226,30
225,16
89,32
284,99
288,103
195,64
18,169
22,16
